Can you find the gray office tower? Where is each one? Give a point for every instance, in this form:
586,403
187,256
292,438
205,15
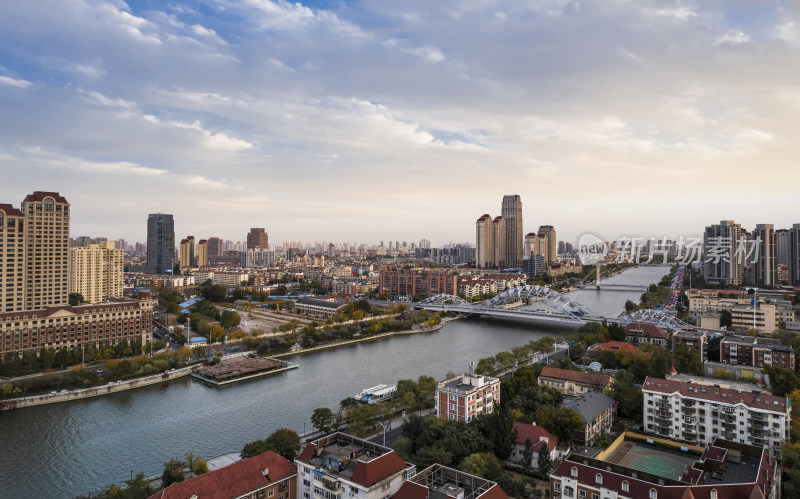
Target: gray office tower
512,214
160,243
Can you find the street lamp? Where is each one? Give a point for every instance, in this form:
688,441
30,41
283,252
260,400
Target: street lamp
384,433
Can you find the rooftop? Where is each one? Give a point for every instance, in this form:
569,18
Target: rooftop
441,482
467,383
716,393
535,434
650,330
575,376
589,405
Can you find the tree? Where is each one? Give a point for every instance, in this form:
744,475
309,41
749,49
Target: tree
322,419
75,299
252,449
286,442
603,440
229,319
782,381
527,455
687,360
200,466
725,318
139,486
173,473
476,464
713,348
627,395
544,462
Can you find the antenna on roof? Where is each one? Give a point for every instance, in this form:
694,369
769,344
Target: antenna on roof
472,368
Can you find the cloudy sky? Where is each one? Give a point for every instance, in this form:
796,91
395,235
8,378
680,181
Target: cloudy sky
369,120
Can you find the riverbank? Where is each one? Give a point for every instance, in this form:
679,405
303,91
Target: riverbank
95,391
367,338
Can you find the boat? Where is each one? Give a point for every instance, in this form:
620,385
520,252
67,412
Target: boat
377,394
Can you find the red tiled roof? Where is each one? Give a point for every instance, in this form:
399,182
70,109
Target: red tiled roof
650,330
234,480
10,210
614,346
754,400
368,473
535,433
40,195
574,376
494,492
498,218
308,453
411,490
115,302
486,216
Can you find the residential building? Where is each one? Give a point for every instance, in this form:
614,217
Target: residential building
266,476
550,242
187,252
637,333
471,285
318,307
342,465
96,271
766,263
214,246
541,439
500,240
70,327
533,266
160,243
440,482
512,215
46,250
421,283
756,352
697,413
464,397
713,300
746,315
722,259
257,238
726,470
12,259
597,411
574,382
695,339
794,255
202,253
257,258
484,242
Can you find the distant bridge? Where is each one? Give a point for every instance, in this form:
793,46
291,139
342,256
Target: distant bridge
615,287
542,305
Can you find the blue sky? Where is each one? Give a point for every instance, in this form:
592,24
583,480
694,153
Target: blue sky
376,120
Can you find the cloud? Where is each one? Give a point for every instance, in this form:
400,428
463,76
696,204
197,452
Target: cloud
732,37
14,82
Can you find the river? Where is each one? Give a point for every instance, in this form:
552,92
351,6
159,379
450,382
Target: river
65,449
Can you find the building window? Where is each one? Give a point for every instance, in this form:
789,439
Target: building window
598,478
625,486
568,491
653,494
574,471
595,496
271,493
581,494
713,494
557,487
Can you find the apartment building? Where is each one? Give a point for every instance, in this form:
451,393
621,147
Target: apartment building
266,476
202,253
761,316
574,382
319,308
712,300
597,411
726,470
257,238
160,243
441,482
756,352
638,333
694,339
464,397
422,283
541,439
471,285
12,259
342,465
64,326
722,258
186,257
96,271
697,413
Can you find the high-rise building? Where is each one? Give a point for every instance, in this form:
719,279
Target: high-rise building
499,233
794,255
12,259
512,214
783,245
46,250
121,244
530,243
257,238
484,242
202,253
722,258
549,233
766,265
187,252
214,246
96,271
160,243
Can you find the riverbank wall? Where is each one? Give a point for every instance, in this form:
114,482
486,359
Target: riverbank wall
95,391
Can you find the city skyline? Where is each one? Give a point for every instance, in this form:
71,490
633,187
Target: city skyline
361,121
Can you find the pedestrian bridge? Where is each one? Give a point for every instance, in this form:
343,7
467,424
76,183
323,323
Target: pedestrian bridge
542,305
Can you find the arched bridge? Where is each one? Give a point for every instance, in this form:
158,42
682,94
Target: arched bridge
544,305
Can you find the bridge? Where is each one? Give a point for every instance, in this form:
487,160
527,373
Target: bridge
543,305
615,287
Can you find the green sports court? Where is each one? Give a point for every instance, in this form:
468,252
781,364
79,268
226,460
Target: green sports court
650,459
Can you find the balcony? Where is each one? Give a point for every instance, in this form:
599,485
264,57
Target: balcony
759,433
729,426
757,416
688,411
757,424
728,435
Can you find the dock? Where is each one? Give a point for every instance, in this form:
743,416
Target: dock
241,369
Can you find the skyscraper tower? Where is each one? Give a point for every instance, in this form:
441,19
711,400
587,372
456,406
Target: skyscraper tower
484,242
766,266
257,238
160,243
187,252
46,249
12,254
512,214
721,261
549,233
499,236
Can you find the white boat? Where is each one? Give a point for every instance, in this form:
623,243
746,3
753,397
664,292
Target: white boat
377,394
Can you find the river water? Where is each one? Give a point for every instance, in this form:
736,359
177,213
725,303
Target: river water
76,447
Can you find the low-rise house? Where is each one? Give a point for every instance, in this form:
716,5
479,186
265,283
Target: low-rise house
574,382
542,440
596,410
344,466
637,333
268,476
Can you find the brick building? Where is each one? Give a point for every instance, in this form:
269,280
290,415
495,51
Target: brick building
695,339
422,283
756,352
464,397
637,333
574,382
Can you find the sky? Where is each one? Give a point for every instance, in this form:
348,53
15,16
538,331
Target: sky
377,120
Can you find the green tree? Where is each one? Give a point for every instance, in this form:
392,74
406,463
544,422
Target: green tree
603,440
322,419
252,449
173,472
687,360
138,487
627,395
527,455
545,465
229,319
286,442
782,381
725,318
75,299
200,466
476,464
